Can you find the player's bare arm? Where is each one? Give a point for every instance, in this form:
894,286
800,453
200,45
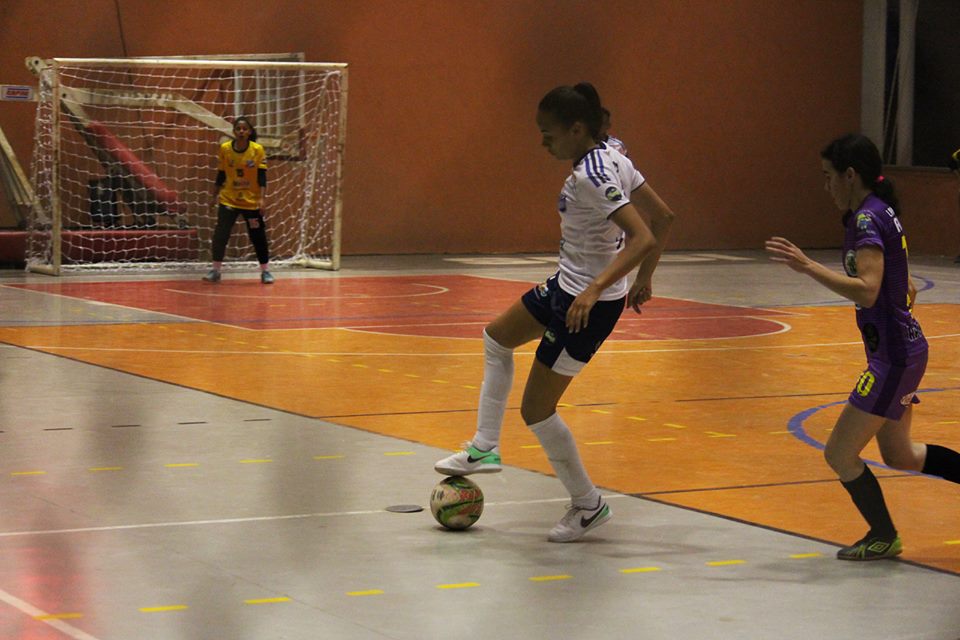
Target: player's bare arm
660,218
638,243
861,288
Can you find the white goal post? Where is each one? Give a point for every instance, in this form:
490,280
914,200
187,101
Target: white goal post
125,155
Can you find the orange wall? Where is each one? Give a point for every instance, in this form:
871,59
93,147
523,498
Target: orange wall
724,104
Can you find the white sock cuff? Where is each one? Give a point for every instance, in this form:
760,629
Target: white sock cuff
546,424
493,347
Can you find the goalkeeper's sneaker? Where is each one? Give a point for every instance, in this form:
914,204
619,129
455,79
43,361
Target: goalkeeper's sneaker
212,276
578,521
470,460
871,548
266,277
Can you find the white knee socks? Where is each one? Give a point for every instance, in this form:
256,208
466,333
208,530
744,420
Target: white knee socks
557,441
497,382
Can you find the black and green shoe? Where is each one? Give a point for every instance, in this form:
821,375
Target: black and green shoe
871,548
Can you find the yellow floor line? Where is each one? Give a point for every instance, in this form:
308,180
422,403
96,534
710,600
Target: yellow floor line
640,570
266,600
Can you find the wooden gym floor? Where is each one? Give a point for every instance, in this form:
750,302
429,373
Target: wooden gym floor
179,457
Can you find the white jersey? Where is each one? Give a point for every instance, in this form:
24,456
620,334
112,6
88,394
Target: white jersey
600,184
617,144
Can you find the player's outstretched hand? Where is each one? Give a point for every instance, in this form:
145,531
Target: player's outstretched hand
783,251
640,292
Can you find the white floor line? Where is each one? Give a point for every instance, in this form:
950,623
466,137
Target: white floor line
34,612
294,516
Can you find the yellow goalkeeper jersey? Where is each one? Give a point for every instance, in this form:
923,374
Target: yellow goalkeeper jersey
241,190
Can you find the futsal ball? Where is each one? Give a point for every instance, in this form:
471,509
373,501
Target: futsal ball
456,502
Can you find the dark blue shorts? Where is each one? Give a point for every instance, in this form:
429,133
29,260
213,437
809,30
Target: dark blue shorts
887,390
564,352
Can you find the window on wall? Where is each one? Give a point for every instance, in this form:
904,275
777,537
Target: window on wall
911,79
936,107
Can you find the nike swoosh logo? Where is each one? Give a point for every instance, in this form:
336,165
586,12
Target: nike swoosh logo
586,522
471,459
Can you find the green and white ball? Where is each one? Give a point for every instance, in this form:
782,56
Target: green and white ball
456,502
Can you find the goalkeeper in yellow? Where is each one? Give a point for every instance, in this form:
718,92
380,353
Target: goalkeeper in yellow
240,186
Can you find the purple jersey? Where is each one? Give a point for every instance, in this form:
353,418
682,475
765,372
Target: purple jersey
890,333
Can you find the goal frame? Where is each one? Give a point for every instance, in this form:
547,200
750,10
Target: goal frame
240,62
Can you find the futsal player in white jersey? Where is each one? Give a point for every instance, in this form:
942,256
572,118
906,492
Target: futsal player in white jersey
609,140
604,237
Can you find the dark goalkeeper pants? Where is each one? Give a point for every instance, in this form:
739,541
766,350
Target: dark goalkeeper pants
226,218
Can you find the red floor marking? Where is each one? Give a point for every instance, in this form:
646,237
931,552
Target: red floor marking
429,305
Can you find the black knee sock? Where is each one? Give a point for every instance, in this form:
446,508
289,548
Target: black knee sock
942,462
868,497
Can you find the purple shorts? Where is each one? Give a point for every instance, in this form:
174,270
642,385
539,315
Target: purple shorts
887,390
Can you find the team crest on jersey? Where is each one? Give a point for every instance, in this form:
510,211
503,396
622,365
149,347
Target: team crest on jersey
850,263
613,194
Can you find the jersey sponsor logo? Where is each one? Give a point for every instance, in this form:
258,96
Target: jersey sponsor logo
850,263
613,194
914,332
865,383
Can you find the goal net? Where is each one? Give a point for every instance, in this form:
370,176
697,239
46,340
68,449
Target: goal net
125,160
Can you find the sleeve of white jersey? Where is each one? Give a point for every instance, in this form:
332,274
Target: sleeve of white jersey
636,178
603,196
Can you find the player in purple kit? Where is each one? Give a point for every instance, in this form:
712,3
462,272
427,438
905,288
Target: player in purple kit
877,279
